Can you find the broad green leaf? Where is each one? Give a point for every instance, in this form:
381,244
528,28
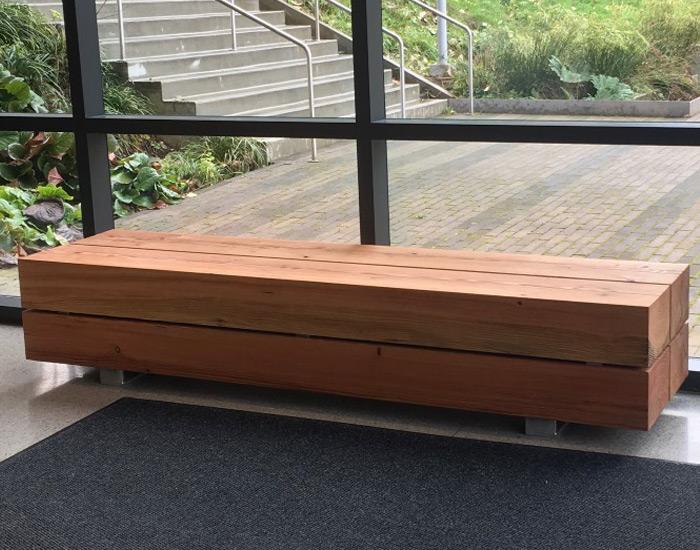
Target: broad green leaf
16,151
7,138
119,209
52,192
146,179
125,197
144,201
120,176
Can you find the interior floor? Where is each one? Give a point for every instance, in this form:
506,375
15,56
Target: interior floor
39,399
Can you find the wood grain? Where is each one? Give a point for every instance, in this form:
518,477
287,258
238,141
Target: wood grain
553,317
679,360
574,392
457,260
675,275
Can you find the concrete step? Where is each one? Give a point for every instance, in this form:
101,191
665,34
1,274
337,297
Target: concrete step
339,105
273,95
164,66
193,43
147,8
218,80
177,24
280,148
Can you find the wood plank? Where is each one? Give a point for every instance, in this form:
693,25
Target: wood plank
675,275
596,321
658,385
574,392
457,260
679,360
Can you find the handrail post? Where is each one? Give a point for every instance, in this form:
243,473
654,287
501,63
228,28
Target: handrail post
470,53
317,17
309,60
471,73
395,36
442,34
402,77
234,40
120,24
312,101
402,68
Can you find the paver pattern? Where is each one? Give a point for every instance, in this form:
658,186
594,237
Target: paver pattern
623,202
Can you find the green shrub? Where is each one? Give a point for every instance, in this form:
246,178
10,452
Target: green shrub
28,159
18,234
34,49
209,160
138,183
195,171
16,96
664,77
672,26
236,155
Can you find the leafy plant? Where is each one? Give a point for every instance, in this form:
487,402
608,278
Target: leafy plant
34,49
136,183
19,234
611,88
236,155
606,87
28,158
16,96
195,171
209,160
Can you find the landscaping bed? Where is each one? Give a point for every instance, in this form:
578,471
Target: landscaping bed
603,49
39,187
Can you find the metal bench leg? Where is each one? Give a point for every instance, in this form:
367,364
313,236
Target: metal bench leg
542,427
111,377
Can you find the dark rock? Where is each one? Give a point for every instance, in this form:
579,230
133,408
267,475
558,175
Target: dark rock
69,232
45,213
7,260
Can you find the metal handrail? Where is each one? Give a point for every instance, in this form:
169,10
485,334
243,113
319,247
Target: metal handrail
470,34
392,34
122,32
269,26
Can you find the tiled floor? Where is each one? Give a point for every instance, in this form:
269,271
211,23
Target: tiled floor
36,400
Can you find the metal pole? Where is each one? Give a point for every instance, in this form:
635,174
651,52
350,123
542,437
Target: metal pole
120,23
317,16
471,73
469,32
442,33
234,42
293,39
402,79
312,101
402,68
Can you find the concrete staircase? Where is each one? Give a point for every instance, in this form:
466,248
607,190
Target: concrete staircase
179,55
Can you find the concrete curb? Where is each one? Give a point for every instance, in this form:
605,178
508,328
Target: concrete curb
643,108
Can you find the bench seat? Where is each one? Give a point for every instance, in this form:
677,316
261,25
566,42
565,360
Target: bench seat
592,341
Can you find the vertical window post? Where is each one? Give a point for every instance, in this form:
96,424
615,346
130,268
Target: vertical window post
85,76
372,170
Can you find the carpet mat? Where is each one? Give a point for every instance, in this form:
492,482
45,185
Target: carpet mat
150,475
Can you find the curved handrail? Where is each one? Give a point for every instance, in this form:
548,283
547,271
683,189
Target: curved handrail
262,23
392,34
294,40
470,34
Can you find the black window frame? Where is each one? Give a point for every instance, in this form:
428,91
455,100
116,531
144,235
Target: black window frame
370,128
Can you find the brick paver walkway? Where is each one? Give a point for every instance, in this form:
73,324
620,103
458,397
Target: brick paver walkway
588,200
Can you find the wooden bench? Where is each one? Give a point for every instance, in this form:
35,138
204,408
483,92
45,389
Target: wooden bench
590,341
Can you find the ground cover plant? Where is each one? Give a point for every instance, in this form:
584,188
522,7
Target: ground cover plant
651,46
39,188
